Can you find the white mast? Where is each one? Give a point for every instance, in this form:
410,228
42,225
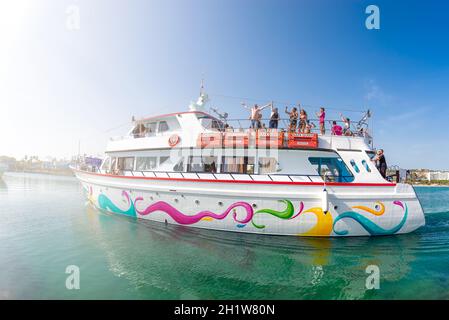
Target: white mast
199,105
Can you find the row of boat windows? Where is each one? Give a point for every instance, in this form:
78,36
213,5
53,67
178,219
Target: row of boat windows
150,129
194,164
332,167
356,167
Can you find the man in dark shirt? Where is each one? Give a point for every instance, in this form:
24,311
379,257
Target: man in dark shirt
381,163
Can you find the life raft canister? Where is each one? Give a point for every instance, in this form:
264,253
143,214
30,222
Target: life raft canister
302,140
210,140
270,138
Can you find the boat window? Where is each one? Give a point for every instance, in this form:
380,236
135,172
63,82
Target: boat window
238,165
355,166
202,164
365,164
145,163
126,163
371,154
113,165
179,167
106,165
267,165
333,167
163,159
163,126
151,128
139,131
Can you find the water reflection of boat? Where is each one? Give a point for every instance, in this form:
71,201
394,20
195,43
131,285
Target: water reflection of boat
180,262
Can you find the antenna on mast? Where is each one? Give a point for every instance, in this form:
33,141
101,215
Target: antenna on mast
202,86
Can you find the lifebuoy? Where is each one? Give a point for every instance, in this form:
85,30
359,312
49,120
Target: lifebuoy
173,140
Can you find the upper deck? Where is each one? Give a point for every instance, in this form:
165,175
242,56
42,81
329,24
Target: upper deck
182,130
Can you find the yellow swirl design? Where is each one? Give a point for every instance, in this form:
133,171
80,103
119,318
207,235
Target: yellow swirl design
323,226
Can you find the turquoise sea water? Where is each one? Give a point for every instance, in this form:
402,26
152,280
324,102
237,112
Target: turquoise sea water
46,225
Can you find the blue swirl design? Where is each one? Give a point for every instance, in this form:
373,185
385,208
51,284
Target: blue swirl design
370,226
106,204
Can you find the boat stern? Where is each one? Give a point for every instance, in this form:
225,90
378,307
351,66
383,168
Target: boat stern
411,204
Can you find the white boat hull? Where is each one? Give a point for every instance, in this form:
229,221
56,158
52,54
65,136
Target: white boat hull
275,209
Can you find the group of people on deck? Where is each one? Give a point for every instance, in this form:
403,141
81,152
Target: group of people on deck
297,120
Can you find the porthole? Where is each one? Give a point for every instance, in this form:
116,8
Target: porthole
365,164
254,205
176,200
355,166
197,202
220,204
335,207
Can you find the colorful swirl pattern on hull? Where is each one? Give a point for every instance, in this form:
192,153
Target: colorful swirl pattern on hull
106,204
181,218
372,228
324,226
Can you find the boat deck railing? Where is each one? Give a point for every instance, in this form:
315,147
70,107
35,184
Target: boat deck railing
244,125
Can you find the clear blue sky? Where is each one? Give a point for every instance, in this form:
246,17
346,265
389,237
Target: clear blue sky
146,57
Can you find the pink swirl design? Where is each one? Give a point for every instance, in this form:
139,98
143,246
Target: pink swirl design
181,218
301,208
399,203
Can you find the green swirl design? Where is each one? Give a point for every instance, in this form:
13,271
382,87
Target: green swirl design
286,214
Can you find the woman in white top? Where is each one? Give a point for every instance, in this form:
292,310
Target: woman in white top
347,125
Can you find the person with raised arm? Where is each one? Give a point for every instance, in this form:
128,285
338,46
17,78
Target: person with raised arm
255,115
347,125
293,118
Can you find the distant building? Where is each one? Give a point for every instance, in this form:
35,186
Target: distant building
438,175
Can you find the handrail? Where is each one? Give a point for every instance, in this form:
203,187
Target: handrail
357,132
270,175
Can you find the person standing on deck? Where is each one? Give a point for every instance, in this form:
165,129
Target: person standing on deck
255,115
302,120
293,118
274,118
322,115
381,163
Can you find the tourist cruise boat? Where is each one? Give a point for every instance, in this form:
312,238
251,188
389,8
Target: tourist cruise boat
194,169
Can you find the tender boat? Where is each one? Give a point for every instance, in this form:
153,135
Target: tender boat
194,169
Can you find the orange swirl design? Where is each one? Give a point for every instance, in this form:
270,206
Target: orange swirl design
379,212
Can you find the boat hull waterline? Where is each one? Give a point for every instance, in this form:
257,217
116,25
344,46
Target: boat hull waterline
275,209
